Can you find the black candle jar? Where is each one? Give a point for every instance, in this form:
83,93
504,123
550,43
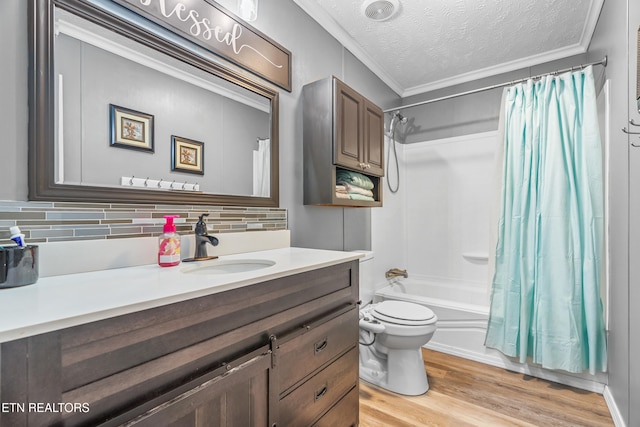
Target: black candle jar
18,265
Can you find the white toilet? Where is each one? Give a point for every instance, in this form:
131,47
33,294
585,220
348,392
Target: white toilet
392,334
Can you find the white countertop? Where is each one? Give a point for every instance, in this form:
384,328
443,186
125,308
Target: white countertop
63,301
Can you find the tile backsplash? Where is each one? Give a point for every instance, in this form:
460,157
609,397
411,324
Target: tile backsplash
64,221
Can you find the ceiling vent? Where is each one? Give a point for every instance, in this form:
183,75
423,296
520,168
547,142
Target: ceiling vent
380,10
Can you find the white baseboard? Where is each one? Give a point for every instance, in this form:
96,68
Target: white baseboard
493,358
618,421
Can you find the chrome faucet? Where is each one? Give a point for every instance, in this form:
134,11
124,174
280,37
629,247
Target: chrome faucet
202,238
396,272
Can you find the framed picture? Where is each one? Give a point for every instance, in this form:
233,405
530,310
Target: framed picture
187,155
131,129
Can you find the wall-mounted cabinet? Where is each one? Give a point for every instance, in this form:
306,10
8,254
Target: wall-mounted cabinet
343,136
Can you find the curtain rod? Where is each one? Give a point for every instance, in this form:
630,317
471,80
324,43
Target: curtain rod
602,62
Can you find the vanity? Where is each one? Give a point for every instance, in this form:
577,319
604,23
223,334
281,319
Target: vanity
273,343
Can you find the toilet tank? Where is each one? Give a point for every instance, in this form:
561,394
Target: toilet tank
366,277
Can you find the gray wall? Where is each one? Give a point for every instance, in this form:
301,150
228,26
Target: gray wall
634,213
13,100
610,38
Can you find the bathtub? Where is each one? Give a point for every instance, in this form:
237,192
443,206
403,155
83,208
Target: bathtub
452,299
463,313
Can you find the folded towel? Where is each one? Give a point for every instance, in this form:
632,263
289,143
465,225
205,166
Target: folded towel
354,178
354,189
341,193
356,196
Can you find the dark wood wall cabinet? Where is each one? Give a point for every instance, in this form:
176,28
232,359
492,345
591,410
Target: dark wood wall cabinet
279,353
342,131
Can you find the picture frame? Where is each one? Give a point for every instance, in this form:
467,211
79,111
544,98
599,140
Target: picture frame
187,155
131,129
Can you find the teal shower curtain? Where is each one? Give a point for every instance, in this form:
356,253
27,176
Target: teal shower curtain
545,298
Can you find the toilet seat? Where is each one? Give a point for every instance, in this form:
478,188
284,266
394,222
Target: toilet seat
403,313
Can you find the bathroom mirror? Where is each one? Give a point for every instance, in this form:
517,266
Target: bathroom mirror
125,111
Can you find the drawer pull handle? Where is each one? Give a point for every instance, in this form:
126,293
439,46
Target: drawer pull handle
319,346
320,393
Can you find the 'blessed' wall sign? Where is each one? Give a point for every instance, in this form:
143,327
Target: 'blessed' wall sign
220,32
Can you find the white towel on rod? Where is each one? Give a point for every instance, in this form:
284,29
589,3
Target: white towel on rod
262,169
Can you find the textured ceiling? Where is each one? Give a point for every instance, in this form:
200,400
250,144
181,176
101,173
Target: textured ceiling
431,44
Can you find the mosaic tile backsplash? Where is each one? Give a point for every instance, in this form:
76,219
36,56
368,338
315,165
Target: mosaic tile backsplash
64,221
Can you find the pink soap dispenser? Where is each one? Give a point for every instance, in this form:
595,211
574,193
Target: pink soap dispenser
169,245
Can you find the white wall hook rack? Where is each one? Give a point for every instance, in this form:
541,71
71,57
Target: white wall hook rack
158,184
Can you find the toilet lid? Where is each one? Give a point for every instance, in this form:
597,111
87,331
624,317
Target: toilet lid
403,313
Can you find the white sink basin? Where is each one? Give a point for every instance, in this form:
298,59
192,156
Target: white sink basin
227,266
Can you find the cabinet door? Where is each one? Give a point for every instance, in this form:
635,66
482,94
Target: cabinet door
348,150
373,139
239,397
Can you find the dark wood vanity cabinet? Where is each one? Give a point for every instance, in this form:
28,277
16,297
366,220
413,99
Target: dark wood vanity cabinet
342,130
278,353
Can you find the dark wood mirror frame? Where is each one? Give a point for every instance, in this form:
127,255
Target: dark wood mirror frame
42,184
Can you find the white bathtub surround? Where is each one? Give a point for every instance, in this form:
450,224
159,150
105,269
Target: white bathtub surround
437,225
449,188
388,226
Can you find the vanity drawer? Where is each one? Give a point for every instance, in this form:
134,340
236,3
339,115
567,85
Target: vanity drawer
307,353
313,398
344,413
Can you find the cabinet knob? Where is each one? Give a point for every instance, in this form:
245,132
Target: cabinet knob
320,393
321,345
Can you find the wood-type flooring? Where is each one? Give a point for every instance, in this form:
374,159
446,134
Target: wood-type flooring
466,393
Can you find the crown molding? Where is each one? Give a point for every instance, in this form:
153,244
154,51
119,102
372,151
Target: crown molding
316,12
505,67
